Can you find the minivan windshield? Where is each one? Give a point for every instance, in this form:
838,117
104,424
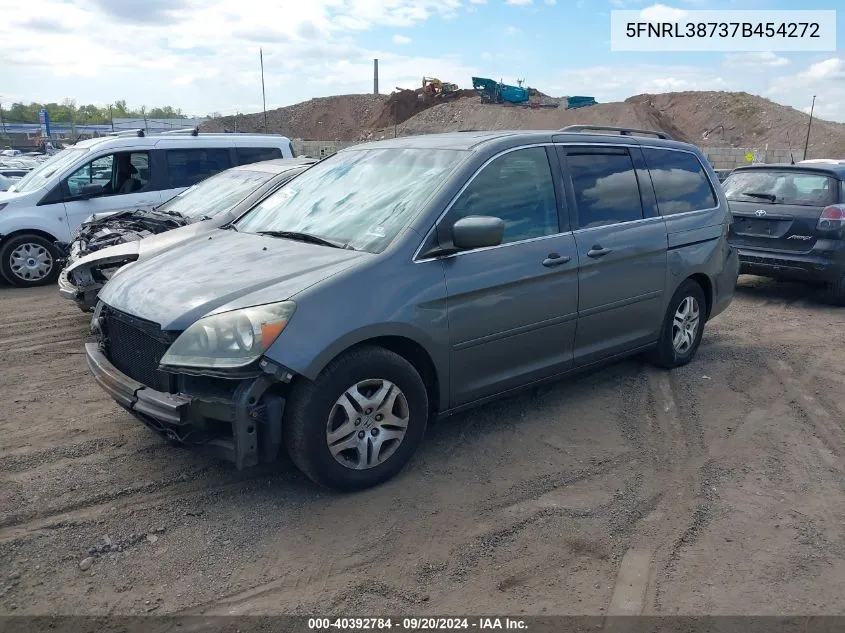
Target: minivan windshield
39,176
216,194
359,198
781,187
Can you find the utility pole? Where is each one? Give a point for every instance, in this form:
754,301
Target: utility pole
2,120
809,124
263,95
144,114
111,119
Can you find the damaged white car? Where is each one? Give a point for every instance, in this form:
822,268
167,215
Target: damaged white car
103,244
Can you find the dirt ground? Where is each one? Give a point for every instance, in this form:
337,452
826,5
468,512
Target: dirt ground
717,488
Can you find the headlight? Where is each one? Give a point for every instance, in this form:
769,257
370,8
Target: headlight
230,339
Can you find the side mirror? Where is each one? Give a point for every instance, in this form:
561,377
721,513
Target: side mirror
90,190
477,231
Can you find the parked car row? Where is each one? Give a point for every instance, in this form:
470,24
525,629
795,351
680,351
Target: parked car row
334,315
128,171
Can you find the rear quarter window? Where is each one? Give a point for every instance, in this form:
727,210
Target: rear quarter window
187,167
680,182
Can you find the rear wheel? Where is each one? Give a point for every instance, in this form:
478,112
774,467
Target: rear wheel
29,260
359,422
835,292
683,326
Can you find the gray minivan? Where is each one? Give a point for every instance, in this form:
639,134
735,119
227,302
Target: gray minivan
413,278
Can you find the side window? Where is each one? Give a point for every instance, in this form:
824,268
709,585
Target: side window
187,167
605,186
116,174
248,155
680,182
97,172
518,188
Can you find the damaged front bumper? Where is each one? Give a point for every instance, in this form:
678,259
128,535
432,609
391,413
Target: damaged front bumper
85,297
242,425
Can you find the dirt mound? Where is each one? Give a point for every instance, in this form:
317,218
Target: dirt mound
403,104
471,114
721,119
740,119
339,118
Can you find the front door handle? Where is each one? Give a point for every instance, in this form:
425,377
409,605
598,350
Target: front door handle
598,251
556,260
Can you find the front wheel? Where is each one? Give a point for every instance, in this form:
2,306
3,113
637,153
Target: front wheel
683,326
359,422
29,260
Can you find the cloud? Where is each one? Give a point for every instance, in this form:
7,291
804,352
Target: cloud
825,78
519,3
143,11
758,60
478,1
661,13
512,30
206,51
551,3
46,24
833,68
401,39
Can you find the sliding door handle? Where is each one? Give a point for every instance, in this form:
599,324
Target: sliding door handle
556,260
598,251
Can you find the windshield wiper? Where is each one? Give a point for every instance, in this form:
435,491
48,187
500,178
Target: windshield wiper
754,194
305,237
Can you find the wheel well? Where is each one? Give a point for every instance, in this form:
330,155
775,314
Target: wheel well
415,354
43,234
706,285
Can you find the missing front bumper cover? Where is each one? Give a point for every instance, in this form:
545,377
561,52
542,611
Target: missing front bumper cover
253,416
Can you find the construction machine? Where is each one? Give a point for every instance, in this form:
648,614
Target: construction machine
432,86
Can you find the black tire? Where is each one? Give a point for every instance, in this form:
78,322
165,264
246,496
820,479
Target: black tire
13,276
309,405
664,353
834,292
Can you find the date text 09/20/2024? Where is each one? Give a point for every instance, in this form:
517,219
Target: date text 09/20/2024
415,624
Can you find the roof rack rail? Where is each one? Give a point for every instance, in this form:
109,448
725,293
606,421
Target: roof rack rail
193,131
624,131
138,132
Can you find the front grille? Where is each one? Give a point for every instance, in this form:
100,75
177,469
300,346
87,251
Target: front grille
135,347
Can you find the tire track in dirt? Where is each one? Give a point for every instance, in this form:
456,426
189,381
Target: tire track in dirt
185,487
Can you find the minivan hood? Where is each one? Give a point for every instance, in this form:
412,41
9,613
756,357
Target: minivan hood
225,271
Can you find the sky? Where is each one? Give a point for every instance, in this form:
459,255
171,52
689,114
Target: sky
203,55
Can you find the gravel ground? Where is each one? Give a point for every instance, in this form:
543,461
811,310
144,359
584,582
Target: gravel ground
717,488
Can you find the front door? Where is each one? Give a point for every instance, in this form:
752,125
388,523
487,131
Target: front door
621,253
123,179
512,307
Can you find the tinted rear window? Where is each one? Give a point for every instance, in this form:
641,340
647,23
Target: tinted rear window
781,187
186,167
606,189
680,182
248,155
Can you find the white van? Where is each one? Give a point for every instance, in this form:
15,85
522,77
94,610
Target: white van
110,174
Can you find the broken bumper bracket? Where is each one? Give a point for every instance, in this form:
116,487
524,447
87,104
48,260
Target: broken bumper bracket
255,415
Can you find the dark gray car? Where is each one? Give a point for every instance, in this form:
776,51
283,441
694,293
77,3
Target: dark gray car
413,278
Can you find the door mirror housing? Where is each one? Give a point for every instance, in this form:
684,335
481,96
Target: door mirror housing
477,231
90,191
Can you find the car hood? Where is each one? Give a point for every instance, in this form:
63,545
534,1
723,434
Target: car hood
225,271
149,246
